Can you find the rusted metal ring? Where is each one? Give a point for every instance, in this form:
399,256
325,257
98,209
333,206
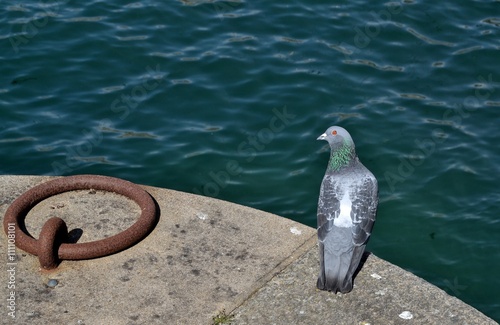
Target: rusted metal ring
17,211
52,235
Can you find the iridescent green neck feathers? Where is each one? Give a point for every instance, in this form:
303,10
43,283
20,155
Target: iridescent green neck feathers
342,156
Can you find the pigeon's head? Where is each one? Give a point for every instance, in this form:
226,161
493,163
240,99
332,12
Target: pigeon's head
337,137
342,146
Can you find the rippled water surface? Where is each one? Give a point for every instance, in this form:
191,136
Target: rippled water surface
226,99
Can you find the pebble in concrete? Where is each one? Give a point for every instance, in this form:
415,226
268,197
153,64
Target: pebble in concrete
52,283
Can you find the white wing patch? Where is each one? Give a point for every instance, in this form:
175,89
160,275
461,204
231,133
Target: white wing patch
344,218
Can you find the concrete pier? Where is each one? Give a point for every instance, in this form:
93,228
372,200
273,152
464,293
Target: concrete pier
205,258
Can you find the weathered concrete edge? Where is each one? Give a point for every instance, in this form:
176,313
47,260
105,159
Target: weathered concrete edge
299,252
382,292
305,238
307,247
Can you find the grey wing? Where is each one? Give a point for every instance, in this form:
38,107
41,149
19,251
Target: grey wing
364,210
328,207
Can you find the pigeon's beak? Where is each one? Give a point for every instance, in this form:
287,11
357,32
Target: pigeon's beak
322,137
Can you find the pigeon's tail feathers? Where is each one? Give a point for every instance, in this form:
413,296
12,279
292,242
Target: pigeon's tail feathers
336,274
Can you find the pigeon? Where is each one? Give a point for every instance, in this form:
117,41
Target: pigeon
347,207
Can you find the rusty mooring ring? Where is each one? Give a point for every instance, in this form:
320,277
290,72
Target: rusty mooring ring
17,211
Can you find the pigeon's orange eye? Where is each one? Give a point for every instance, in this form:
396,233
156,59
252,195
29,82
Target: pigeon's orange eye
334,132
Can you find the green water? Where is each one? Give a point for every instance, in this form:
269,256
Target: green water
226,99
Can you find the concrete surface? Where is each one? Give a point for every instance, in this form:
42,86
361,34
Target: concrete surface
204,256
